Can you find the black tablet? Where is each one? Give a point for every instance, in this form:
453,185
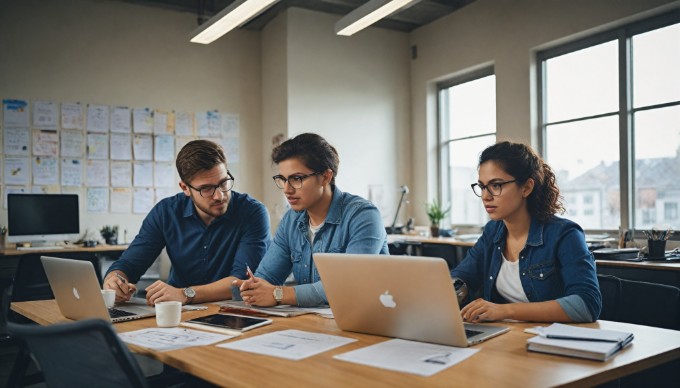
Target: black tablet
231,321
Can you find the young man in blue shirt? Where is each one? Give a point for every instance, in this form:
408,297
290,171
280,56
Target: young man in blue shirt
210,233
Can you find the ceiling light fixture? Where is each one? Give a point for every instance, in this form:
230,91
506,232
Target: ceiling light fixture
368,14
236,14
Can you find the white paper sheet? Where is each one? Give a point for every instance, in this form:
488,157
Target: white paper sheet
98,118
163,339
142,200
97,146
45,114
72,142
163,192
97,173
71,172
121,174
184,124
163,122
399,355
72,115
209,124
15,113
164,174
17,170
164,148
180,142
142,175
121,200
289,344
16,141
121,119
45,170
142,120
45,143
121,146
97,200
231,149
142,147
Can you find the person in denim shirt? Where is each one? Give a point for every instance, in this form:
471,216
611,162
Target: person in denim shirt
529,264
321,219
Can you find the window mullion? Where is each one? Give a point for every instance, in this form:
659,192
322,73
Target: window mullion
626,144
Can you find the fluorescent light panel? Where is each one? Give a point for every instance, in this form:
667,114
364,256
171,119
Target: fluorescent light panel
236,14
368,14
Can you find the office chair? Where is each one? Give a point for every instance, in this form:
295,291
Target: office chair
648,304
81,354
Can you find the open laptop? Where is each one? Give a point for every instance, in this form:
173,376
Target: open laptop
76,289
405,297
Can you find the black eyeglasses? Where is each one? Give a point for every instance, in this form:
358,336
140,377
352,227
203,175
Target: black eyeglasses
208,191
294,180
494,188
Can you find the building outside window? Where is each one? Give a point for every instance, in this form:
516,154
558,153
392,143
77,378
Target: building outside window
467,125
610,123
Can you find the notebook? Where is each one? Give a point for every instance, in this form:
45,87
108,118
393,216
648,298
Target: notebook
76,289
582,342
405,297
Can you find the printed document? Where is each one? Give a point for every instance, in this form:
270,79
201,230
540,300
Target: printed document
163,339
289,344
399,355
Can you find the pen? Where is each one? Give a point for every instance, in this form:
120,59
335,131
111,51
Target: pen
249,272
122,279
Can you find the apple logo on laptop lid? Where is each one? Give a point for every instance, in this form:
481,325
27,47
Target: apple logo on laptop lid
75,293
387,300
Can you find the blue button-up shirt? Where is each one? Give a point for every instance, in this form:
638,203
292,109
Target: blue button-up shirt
352,225
199,253
555,264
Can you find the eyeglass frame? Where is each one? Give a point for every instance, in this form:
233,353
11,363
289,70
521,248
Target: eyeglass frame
301,178
486,187
214,187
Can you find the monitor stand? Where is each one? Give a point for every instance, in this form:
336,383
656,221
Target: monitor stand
42,243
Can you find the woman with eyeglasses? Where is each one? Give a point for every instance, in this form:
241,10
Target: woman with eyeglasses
321,219
529,264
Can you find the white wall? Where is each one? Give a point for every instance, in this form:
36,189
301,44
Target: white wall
353,91
117,53
505,33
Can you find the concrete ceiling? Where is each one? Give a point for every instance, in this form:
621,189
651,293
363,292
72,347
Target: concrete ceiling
406,20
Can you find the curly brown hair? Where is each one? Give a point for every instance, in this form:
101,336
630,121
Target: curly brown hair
312,150
522,162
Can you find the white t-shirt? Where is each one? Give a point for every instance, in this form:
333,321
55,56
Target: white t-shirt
313,230
508,283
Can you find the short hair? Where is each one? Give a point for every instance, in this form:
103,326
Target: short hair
522,162
312,150
197,156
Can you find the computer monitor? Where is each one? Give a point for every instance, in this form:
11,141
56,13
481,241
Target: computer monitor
42,219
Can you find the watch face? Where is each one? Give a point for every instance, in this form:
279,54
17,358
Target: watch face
189,292
278,294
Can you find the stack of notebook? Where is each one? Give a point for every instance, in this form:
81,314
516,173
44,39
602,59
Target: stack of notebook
573,341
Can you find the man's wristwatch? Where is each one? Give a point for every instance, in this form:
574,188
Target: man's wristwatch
278,294
190,294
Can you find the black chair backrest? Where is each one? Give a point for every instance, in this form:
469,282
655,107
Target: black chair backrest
641,303
81,354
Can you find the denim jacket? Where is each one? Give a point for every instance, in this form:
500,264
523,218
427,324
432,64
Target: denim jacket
555,264
352,225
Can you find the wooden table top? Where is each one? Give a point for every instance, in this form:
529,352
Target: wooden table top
12,251
501,361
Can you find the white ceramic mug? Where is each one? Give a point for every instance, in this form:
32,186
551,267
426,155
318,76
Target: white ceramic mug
168,314
109,298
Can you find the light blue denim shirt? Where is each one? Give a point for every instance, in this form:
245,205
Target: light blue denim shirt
352,225
555,264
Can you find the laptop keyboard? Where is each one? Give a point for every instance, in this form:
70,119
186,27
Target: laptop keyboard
471,333
115,313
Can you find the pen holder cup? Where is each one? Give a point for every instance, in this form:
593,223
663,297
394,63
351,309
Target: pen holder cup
657,249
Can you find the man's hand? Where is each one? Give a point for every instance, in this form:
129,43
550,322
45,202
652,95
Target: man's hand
162,292
256,292
481,310
117,281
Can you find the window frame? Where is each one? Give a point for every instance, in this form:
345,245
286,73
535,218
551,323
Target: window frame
443,136
623,35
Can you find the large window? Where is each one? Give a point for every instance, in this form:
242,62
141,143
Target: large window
467,123
610,120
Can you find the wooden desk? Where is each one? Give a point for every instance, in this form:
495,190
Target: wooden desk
396,238
29,279
501,361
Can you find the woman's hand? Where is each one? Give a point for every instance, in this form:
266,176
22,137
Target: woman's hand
480,310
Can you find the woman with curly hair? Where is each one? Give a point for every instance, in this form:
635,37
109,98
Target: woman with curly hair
529,264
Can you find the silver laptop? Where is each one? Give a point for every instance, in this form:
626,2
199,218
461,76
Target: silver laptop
76,289
405,297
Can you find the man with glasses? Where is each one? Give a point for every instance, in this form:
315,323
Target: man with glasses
211,234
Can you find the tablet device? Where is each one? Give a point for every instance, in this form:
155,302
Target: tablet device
229,322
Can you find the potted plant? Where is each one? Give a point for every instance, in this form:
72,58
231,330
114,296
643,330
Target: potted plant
110,234
436,214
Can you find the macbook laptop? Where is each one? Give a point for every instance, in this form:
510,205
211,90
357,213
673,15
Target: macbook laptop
405,297
76,289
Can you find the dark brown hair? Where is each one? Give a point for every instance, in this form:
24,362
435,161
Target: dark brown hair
197,156
522,162
312,150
